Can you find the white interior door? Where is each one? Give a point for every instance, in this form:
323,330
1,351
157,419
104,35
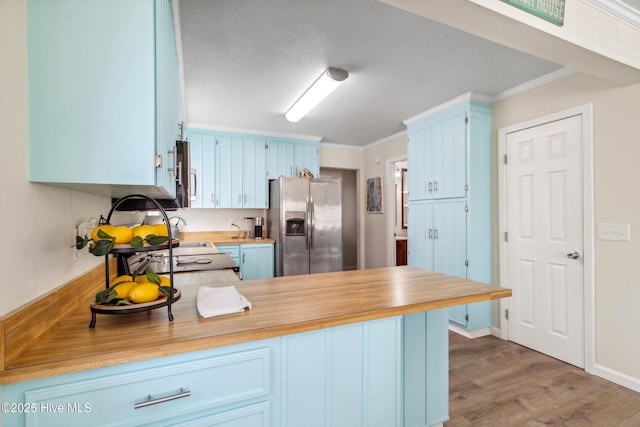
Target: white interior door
544,242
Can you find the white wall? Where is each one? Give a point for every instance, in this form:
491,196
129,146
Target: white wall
616,174
37,220
376,224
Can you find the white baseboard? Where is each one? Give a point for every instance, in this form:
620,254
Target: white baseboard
496,332
469,334
616,377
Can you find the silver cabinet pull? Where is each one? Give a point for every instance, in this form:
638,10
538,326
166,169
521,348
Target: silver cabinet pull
181,393
194,193
430,233
435,186
573,255
430,186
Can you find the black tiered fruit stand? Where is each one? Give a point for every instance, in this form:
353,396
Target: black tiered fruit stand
127,250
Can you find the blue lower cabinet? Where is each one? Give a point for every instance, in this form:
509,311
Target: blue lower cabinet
254,259
344,376
218,384
387,372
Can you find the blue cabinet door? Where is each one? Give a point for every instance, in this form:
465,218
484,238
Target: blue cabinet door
279,159
168,101
345,376
437,156
228,172
450,237
450,156
104,104
419,152
306,156
204,180
257,261
255,183
420,230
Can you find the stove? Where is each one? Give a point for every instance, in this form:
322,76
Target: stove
190,257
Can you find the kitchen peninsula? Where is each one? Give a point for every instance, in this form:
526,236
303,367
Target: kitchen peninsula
366,347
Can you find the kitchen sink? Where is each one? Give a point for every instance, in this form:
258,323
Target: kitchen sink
196,245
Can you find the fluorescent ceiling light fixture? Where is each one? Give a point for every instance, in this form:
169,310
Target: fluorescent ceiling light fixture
319,90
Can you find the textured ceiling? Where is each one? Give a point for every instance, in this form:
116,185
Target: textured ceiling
246,61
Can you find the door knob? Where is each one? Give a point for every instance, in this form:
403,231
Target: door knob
573,255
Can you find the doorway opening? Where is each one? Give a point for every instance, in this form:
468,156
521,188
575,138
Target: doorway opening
396,206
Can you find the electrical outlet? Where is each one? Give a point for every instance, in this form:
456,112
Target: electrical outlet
77,253
232,222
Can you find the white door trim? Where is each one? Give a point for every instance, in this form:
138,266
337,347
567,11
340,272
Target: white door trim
586,111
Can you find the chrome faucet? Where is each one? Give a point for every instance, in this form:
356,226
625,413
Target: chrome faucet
175,231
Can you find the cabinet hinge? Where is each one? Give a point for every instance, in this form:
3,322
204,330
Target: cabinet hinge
466,187
466,119
466,317
216,142
466,208
506,314
266,145
466,263
505,159
506,236
158,160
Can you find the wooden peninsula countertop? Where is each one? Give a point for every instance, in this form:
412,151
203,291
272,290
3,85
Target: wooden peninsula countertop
280,306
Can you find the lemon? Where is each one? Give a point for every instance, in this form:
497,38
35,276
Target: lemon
165,281
123,289
143,230
141,278
107,228
144,292
120,279
122,234
160,230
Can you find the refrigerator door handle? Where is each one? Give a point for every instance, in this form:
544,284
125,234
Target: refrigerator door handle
313,224
307,224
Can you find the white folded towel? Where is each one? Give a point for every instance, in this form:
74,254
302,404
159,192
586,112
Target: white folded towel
219,301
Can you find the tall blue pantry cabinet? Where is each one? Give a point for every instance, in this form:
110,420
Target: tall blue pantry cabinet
104,95
449,196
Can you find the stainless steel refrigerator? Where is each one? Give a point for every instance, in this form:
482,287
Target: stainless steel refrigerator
305,220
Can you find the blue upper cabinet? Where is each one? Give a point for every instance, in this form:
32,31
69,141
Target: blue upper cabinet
104,101
290,158
438,146
449,197
232,170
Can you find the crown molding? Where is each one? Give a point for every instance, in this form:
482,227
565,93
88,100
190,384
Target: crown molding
253,132
532,84
618,10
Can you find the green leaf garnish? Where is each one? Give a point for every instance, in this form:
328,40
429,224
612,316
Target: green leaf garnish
102,247
137,242
165,290
153,277
81,242
154,240
106,296
103,235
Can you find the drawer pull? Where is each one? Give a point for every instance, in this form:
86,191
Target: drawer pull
181,393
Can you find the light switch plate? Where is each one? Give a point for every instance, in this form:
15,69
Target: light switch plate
620,232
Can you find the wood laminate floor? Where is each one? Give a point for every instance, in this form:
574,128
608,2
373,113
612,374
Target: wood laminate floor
498,383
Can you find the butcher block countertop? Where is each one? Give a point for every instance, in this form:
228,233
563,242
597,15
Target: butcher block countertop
281,306
220,238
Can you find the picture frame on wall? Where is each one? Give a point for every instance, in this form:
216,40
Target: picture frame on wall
374,195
